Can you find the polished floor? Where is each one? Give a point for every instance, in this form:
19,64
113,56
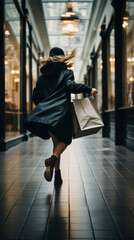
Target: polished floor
96,200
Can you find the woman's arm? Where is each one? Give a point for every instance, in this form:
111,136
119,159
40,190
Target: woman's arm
74,87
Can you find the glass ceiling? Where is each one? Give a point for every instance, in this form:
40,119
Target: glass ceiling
52,12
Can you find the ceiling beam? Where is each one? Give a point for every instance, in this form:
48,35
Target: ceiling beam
38,20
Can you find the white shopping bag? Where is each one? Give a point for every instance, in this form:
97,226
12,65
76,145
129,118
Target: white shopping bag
86,117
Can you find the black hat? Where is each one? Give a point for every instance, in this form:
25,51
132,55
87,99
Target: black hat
56,51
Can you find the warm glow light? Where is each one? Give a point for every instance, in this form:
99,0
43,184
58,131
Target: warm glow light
16,79
112,69
70,22
7,33
130,59
15,71
65,15
70,13
131,79
125,18
69,28
112,59
125,24
6,62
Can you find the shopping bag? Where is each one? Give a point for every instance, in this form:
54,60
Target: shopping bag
86,117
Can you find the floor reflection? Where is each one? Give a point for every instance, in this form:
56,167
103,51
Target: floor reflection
58,219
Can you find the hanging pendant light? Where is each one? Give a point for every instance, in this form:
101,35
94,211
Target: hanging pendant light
70,22
125,19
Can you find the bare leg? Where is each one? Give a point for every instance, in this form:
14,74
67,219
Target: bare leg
59,147
54,161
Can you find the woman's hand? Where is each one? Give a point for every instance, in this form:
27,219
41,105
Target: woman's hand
94,91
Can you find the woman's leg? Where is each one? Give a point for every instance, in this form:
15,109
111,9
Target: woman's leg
57,178
55,141
54,160
58,147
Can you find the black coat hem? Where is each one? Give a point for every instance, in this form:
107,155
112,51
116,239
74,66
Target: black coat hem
42,130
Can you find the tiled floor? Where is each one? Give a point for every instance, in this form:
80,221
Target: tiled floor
96,200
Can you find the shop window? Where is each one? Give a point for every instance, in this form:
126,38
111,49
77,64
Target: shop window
34,73
27,81
12,69
111,80
99,80
128,26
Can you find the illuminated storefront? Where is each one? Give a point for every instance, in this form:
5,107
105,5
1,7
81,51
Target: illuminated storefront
19,70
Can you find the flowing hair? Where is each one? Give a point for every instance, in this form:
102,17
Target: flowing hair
60,58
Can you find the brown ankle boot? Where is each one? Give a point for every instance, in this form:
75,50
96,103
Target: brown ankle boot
50,163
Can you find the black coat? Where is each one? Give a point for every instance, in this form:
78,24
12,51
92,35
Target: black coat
52,95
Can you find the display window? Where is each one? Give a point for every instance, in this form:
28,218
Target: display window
111,79
34,73
27,81
12,70
99,80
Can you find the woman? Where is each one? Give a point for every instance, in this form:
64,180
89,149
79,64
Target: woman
52,115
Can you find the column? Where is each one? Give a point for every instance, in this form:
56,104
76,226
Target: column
23,67
119,7
105,116
30,65
93,58
2,72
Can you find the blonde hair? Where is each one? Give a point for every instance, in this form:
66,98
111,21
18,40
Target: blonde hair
61,58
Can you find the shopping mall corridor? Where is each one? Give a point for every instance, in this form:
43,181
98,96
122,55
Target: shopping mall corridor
96,200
